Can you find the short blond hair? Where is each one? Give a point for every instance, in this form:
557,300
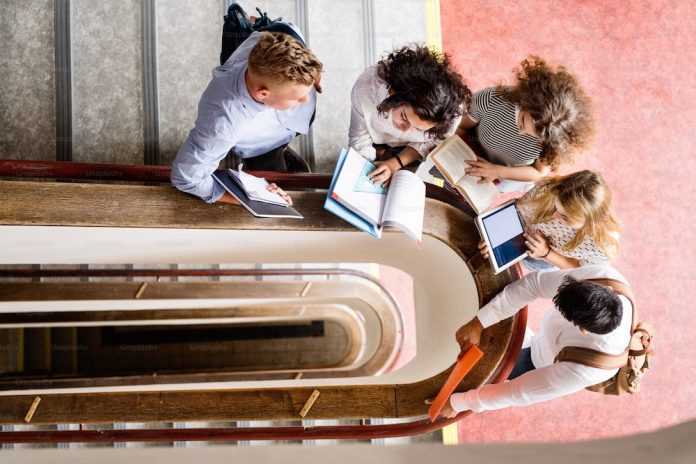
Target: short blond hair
281,59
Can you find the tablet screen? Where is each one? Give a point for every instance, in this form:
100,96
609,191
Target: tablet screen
504,230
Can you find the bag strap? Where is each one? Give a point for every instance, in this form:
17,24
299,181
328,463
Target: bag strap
599,359
592,358
237,15
277,26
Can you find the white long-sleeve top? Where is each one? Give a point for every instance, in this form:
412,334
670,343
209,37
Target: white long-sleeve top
367,126
548,380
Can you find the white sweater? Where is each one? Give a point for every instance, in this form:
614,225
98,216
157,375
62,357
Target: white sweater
368,127
548,380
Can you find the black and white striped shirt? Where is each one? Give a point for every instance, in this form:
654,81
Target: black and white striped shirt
497,130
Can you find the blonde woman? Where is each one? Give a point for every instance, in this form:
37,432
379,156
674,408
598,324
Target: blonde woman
569,222
527,130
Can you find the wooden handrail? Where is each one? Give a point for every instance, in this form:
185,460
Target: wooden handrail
446,221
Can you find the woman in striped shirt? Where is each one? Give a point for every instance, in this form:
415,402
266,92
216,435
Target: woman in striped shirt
527,130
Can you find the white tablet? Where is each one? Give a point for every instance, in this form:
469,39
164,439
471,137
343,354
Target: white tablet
501,229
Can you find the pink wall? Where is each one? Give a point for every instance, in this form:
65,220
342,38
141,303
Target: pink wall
636,59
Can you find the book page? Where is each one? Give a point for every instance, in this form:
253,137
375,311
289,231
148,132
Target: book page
405,204
257,188
450,158
480,196
355,191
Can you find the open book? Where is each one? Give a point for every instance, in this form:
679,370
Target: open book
256,188
449,158
258,207
353,197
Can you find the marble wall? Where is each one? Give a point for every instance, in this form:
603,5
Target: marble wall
107,82
341,49
399,26
27,79
188,47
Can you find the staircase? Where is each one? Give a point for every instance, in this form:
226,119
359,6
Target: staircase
119,82
39,354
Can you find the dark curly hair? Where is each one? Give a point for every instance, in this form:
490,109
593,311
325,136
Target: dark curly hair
424,79
561,110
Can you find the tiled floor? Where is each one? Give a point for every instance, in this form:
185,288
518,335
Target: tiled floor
636,60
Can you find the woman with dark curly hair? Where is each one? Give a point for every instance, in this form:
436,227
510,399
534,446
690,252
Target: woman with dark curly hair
403,107
528,129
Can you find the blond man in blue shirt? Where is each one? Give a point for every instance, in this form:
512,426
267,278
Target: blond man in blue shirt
256,103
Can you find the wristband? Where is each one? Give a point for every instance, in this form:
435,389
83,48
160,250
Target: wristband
399,160
547,253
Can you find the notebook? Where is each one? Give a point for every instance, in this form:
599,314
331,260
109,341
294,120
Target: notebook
257,208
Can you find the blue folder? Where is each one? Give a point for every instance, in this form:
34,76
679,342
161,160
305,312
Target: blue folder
341,211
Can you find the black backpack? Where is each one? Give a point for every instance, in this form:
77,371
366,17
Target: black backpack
238,28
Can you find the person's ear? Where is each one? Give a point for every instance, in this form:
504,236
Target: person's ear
262,93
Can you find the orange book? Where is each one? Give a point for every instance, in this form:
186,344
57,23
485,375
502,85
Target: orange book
463,366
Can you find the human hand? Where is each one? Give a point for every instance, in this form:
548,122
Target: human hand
275,189
487,171
483,249
382,174
537,244
447,410
469,334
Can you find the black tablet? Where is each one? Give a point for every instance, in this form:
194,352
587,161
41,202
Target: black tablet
502,230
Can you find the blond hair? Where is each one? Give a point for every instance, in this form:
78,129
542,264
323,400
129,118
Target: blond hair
281,59
585,197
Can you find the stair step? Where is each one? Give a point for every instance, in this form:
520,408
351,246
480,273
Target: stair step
65,350
37,350
10,350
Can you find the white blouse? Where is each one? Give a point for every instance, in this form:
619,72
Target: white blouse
367,126
559,235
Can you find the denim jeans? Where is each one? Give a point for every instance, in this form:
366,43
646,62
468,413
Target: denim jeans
534,264
523,365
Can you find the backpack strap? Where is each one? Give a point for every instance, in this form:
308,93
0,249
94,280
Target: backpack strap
277,26
592,358
599,359
238,17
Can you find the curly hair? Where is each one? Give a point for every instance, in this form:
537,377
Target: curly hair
281,59
585,197
424,79
561,110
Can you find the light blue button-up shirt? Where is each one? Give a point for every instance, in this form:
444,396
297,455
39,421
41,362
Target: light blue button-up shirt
229,118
